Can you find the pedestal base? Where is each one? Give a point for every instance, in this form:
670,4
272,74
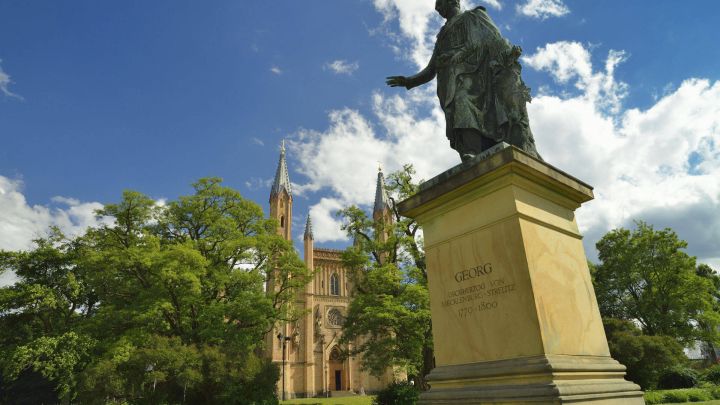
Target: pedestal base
534,380
514,314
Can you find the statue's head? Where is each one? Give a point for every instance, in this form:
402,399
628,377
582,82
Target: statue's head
445,7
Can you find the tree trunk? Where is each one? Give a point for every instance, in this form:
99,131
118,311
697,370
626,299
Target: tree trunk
428,360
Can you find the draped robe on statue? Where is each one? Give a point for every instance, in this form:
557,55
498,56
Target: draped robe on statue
479,84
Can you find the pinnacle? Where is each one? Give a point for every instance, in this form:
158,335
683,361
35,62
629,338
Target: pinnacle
282,178
382,201
308,229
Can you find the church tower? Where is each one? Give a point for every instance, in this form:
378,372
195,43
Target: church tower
381,209
281,197
281,210
309,350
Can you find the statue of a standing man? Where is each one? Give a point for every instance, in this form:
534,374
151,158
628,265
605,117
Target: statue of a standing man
479,83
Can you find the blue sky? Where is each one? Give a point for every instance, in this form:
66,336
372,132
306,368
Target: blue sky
97,97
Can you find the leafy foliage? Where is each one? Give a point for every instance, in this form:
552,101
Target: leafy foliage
398,393
708,336
712,374
678,377
646,277
644,356
681,395
389,316
166,304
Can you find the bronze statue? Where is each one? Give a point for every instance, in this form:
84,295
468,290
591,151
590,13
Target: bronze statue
479,83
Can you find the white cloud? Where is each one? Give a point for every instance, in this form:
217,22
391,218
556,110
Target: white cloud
257,141
257,183
543,9
496,4
661,165
342,67
21,222
568,61
326,225
418,26
5,83
276,70
343,159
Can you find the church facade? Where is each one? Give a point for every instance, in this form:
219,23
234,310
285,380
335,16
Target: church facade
308,352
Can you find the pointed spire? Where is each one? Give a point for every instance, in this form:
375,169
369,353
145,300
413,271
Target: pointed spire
382,201
282,178
308,229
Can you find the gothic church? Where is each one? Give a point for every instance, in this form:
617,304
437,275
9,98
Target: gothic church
313,364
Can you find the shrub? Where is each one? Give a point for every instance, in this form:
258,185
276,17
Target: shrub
644,356
698,395
654,397
679,395
706,385
712,374
678,377
398,393
715,393
676,396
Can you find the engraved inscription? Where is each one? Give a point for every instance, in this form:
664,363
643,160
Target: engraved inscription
475,272
485,295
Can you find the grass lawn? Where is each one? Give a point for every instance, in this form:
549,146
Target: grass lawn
366,400
713,402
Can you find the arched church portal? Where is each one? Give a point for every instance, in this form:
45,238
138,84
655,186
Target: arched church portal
337,371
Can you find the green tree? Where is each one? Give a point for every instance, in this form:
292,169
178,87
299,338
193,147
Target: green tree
41,339
645,276
166,304
707,328
389,317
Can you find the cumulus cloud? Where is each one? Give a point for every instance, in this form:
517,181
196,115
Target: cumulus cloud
570,61
418,25
344,158
21,222
661,165
342,67
326,226
543,9
5,84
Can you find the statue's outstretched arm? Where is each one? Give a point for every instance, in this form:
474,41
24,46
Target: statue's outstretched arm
415,80
423,76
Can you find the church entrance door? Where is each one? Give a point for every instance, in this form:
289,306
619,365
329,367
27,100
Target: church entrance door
336,367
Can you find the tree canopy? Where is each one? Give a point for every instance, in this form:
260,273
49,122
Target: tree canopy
389,316
646,277
167,303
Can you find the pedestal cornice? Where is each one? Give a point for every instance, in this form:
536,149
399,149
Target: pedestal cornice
501,160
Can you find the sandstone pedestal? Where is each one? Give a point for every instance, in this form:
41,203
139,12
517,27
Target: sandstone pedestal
515,319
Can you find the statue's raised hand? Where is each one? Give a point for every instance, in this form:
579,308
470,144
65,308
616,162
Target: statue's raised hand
397,81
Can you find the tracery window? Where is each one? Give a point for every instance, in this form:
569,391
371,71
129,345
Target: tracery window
334,284
335,317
